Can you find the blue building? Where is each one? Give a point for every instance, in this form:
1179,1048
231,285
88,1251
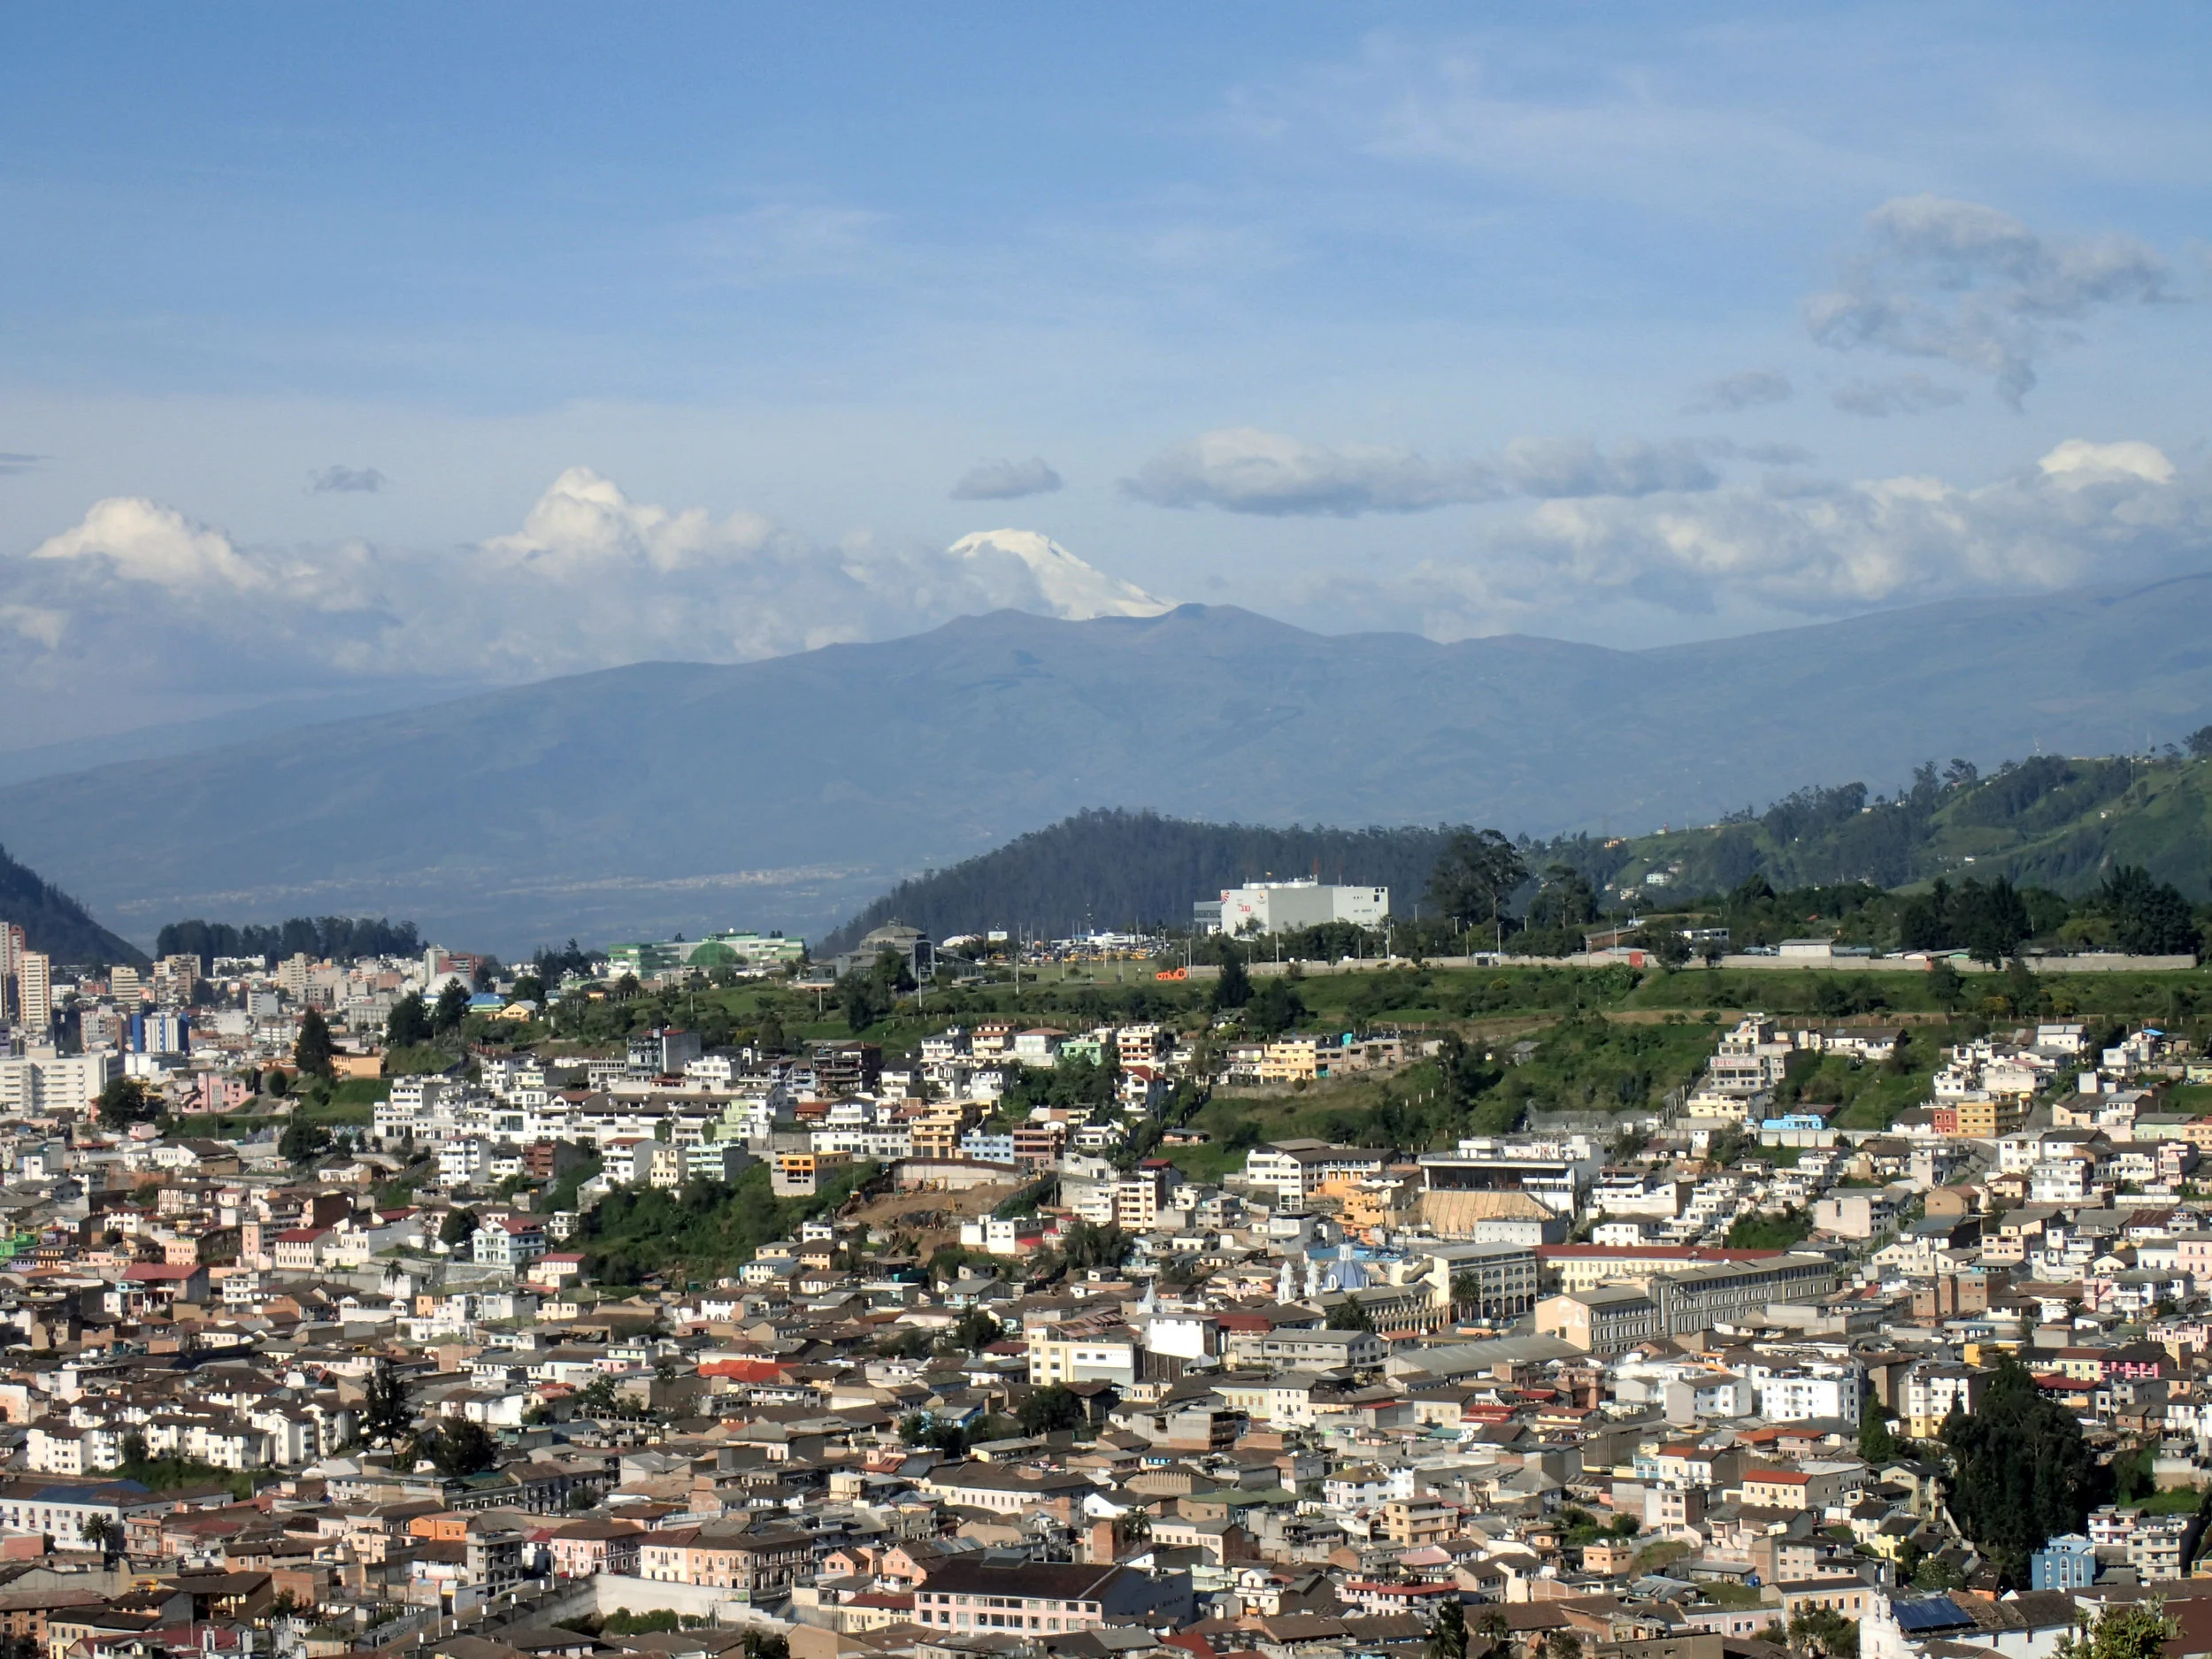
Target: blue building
987,1148
2068,1561
162,1031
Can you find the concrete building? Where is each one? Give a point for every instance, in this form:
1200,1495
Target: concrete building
1274,907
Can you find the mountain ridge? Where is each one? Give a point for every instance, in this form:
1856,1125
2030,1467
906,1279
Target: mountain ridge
653,798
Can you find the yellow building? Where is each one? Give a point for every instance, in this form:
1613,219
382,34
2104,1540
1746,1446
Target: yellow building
1369,1204
1292,1060
1986,1119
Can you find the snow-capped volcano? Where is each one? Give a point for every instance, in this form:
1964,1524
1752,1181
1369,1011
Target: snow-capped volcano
1061,584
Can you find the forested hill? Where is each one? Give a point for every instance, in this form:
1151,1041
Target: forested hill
2049,822
55,923
1119,871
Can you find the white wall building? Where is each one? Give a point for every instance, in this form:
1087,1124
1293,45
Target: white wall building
1272,907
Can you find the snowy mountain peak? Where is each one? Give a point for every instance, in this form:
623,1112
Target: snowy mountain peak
1061,584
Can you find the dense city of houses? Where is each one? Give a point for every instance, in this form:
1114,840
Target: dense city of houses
1030,1393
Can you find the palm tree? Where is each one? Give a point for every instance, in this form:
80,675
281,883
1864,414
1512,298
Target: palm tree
1448,1634
1466,1292
99,1531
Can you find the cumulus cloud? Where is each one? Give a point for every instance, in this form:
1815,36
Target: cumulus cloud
2085,512
1007,480
346,479
145,543
1242,469
137,595
1733,392
1966,284
1900,395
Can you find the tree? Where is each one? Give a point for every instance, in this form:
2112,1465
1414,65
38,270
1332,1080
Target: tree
1466,1291
911,1344
2020,1471
2200,744
452,1009
386,1414
1561,1644
1947,986
1047,1410
582,1498
2129,1629
1877,1444
314,1053
1447,1631
1566,900
458,1225
598,1398
977,1330
302,1142
1084,1246
125,1102
133,1449
459,1447
1274,1009
99,1531
1233,989
408,1023
1350,1315
1474,876
2149,919
770,1038
1821,1633
1935,1573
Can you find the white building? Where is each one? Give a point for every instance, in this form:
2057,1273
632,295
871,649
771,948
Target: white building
55,1083
1273,907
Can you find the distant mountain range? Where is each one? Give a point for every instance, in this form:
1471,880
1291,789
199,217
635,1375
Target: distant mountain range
641,800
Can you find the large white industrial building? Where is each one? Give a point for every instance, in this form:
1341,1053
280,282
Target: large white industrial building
1274,907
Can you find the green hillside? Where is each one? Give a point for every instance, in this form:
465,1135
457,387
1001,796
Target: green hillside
55,923
2050,821
1117,871
1839,860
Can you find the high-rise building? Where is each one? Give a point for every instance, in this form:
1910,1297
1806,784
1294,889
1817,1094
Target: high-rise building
34,994
174,979
292,974
124,986
10,963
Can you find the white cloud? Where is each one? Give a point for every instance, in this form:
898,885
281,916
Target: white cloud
1966,284
1746,390
1241,469
147,542
138,599
2085,512
1007,480
1899,395
584,523
2076,464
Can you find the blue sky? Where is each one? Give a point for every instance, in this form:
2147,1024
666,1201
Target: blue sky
1594,321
